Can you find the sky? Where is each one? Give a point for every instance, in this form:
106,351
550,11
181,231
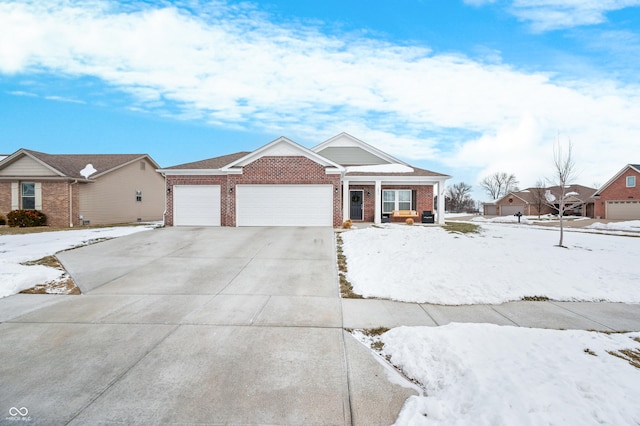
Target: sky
461,87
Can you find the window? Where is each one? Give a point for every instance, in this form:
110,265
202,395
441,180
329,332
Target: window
28,196
138,195
396,199
631,181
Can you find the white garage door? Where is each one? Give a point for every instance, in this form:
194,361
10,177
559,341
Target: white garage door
511,210
623,209
196,205
284,205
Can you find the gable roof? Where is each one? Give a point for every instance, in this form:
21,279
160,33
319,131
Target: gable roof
345,141
635,167
282,147
70,165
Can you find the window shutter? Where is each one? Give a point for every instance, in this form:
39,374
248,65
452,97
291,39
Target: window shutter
414,199
15,196
38,188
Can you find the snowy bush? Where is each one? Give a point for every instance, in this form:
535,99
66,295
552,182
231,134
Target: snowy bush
26,218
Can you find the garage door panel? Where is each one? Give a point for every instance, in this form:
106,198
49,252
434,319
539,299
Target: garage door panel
623,210
284,205
196,205
511,210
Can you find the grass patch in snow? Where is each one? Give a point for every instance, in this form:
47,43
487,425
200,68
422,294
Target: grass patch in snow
62,285
535,299
632,356
346,289
461,228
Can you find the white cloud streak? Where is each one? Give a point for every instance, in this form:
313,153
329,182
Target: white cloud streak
232,67
546,15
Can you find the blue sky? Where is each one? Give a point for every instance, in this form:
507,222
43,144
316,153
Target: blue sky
463,87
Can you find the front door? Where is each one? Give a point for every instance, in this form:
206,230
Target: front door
355,212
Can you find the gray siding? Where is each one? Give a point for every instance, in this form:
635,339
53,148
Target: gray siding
351,156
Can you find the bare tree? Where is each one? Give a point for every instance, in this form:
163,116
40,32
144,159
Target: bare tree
538,199
499,184
458,198
564,174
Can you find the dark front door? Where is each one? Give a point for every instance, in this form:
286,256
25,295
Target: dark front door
355,212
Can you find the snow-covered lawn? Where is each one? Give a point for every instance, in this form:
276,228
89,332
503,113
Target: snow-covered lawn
502,263
18,249
483,374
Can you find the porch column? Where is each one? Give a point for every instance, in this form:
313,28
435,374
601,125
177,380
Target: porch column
440,203
345,201
377,217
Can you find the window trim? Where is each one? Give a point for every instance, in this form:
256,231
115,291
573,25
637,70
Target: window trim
396,199
631,179
22,196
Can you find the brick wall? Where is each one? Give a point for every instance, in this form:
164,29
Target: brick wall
5,198
55,203
424,198
618,191
265,170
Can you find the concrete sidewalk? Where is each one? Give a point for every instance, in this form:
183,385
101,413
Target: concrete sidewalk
609,317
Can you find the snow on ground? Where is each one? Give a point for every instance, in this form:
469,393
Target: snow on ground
483,374
631,225
18,249
502,263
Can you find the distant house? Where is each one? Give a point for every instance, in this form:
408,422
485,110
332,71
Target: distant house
619,198
285,184
534,201
72,190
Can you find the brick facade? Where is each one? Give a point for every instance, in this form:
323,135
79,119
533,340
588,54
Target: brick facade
423,198
277,170
55,202
617,191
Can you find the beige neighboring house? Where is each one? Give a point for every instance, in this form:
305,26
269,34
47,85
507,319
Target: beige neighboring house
533,201
77,189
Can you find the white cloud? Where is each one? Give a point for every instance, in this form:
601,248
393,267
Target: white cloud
233,67
546,15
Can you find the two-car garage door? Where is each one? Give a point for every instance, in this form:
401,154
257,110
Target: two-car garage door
623,210
256,205
284,205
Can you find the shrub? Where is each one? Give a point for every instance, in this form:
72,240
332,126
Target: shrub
409,221
2,220
26,218
347,224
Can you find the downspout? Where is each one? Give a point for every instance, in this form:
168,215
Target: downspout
71,202
166,191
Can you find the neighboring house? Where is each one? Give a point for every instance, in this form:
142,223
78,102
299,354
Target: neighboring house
528,202
72,190
286,184
619,198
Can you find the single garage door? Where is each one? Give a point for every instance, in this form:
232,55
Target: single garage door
196,205
623,209
511,210
284,205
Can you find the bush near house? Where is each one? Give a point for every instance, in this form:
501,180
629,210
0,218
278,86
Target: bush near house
26,218
3,221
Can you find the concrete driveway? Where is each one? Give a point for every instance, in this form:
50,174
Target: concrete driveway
196,325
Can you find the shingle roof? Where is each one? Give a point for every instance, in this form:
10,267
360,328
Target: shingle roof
211,163
71,164
416,172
